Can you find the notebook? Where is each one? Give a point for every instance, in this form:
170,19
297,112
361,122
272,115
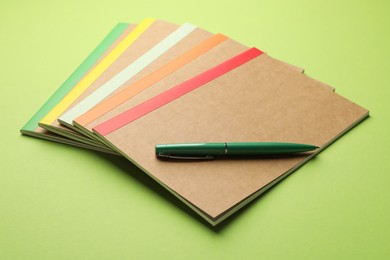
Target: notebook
250,97
32,129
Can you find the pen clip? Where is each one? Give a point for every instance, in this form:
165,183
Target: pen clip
178,157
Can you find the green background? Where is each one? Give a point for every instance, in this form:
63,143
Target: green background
60,202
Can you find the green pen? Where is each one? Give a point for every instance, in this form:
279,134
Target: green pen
208,151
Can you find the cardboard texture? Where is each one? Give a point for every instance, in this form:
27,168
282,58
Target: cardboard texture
260,100
32,129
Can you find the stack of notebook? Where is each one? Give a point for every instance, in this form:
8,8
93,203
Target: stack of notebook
158,82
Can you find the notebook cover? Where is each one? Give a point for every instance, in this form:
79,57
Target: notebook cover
248,98
32,129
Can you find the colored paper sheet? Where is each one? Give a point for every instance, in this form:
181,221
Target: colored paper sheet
158,31
83,85
127,73
95,72
149,80
31,128
175,92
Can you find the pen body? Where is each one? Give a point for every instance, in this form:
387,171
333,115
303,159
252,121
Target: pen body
266,148
232,148
191,149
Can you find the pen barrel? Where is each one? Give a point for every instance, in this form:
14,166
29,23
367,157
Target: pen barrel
233,148
266,148
191,149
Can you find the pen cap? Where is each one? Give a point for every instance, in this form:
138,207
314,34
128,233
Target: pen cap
191,149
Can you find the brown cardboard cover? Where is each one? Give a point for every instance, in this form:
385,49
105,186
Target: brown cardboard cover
262,100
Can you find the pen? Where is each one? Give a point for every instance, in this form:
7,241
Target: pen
208,151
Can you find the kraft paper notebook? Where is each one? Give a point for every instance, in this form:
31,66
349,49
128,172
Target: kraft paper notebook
31,128
154,42
251,97
162,79
49,122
